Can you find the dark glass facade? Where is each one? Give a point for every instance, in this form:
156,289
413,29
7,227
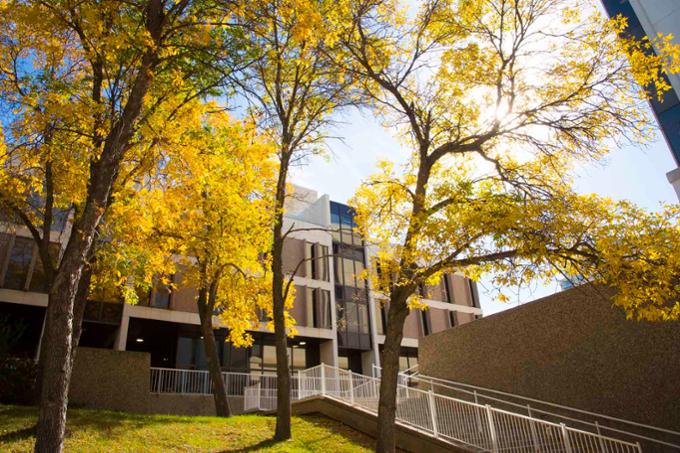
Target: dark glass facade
351,290
667,111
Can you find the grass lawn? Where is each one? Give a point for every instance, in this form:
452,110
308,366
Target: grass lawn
106,431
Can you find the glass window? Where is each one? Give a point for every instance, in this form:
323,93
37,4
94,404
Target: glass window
351,317
38,279
19,263
325,321
348,272
452,319
161,294
268,357
448,295
239,357
298,359
363,318
256,357
185,352
343,362
380,321
323,263
425,322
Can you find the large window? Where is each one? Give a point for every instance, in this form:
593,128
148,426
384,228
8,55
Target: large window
318,308
38,278
351,290
446,286
316,265
425,326
19,263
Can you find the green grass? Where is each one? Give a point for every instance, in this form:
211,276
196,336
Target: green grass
90,430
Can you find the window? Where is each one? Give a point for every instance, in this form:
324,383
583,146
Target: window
474,296
19,263
343,362
448,295
351,317
161,294
268,357
452,319
426,328
363,318
381,319
322,309
298,357
38,278
318,308
256,357
348,272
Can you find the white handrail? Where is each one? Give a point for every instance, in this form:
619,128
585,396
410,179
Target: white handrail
478,392
457,386
459,421
444,417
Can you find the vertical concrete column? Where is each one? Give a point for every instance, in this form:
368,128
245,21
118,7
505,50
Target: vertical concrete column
328,352
121,337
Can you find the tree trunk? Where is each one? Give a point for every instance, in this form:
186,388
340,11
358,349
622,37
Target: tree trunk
79,309
283,409
387,404
205,309
78,314
58,338
56,352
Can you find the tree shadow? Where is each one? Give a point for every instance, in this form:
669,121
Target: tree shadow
19,434
256,447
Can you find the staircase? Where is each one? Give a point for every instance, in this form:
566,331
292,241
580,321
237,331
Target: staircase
478,427
651,438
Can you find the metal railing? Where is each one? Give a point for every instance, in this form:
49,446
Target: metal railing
176,380
455,420
590,421
447,418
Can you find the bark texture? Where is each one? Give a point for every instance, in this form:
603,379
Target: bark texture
205,312
58,337
387,405
283,408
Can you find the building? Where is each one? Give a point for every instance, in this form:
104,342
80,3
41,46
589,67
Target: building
339,320
649,18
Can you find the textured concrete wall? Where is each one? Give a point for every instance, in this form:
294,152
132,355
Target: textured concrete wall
168,403
120,380
107,379
571,348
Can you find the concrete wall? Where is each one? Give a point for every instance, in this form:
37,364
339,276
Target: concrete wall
107,379
571,348
120,380
169,403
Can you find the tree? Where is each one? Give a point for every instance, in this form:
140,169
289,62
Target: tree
209,209
89,89
292,90
498,102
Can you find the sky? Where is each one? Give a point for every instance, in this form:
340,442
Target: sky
636,173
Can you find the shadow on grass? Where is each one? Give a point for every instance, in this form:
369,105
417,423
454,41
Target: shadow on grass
111,424
267,443
19,434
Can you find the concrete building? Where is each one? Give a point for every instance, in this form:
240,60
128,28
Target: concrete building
339,320
651,17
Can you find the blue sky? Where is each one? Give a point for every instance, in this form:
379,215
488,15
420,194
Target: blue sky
636,173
